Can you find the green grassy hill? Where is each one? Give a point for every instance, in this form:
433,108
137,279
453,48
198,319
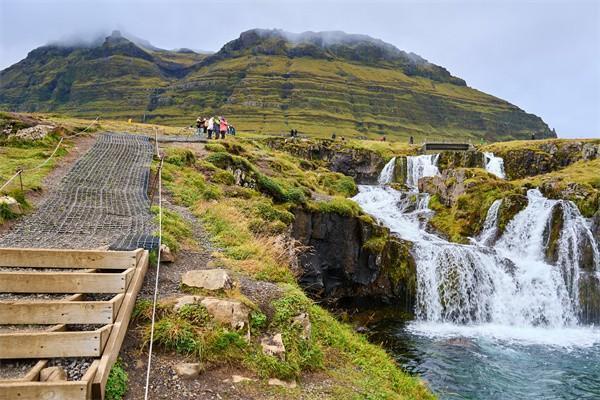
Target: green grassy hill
269,82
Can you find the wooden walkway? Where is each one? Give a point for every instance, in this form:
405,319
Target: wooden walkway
79,303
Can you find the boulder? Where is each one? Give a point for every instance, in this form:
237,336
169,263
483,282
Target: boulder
209,279
303,321
278,382
12,204
186,300
230,312
53,374
188,370
273,346
33,133
166,255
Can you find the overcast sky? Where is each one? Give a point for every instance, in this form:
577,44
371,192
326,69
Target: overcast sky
543,56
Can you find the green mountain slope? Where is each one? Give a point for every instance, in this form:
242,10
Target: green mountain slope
266,81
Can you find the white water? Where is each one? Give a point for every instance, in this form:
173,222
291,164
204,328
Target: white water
477,288
494,165
490,225
387,173
420,166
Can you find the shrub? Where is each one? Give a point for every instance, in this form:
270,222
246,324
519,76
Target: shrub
215,147
180,157
271,188
338,205
116,385
196,314
177,334
224,177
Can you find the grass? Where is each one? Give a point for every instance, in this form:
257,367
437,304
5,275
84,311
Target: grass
247,227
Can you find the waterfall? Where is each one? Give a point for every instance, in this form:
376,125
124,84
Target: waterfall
387,173
510,282
420,166
494,165
490,225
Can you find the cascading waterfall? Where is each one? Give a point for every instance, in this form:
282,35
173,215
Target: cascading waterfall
387,173
509,282
494,165
490,225
418,167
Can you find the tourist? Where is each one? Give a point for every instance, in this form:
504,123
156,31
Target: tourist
333,136
223,127
411,140
231,130
210,127
199,125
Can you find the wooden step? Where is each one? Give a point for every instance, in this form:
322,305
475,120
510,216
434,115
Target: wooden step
54,344
64,282
55,258
60,312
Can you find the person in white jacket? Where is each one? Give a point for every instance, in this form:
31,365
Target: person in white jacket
211,124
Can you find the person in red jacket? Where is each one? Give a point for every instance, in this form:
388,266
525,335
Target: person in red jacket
223,127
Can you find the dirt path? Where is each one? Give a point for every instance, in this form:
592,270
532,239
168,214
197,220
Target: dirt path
101,201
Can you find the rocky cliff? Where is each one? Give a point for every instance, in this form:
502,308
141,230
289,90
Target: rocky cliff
353,261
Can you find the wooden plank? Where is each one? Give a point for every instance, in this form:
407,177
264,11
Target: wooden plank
32,375
60,258
65,390
57,312
53,344
111,350
63,282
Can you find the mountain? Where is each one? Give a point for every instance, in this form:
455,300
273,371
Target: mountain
265,81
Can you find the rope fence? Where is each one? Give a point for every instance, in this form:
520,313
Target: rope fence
20,171
159,175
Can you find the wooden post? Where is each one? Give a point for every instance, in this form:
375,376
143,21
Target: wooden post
21,180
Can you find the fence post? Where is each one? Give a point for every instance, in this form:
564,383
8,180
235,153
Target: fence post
20,171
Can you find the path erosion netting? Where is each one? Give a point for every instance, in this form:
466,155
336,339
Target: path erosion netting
102,201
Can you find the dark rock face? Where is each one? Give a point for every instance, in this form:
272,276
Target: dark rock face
353,261
363,165
595,227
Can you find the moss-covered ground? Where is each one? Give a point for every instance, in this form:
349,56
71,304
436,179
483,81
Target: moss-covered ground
247,223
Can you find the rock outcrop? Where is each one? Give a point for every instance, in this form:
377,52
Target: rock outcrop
34,133
460,159
361,164
536,158
353,260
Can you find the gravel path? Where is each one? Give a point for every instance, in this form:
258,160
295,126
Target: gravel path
102,201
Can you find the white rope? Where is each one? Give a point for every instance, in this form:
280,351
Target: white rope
10,180
51,155
156,280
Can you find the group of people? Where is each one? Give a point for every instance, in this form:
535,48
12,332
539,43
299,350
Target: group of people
214,125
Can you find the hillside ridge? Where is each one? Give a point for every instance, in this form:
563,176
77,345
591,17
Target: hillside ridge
267,81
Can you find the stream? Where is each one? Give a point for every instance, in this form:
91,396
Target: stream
494,319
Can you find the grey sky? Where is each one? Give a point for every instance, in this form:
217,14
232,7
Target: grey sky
543,56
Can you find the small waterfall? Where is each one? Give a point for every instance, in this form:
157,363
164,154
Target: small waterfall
418,167
490,225
510,283
494,165
387,173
